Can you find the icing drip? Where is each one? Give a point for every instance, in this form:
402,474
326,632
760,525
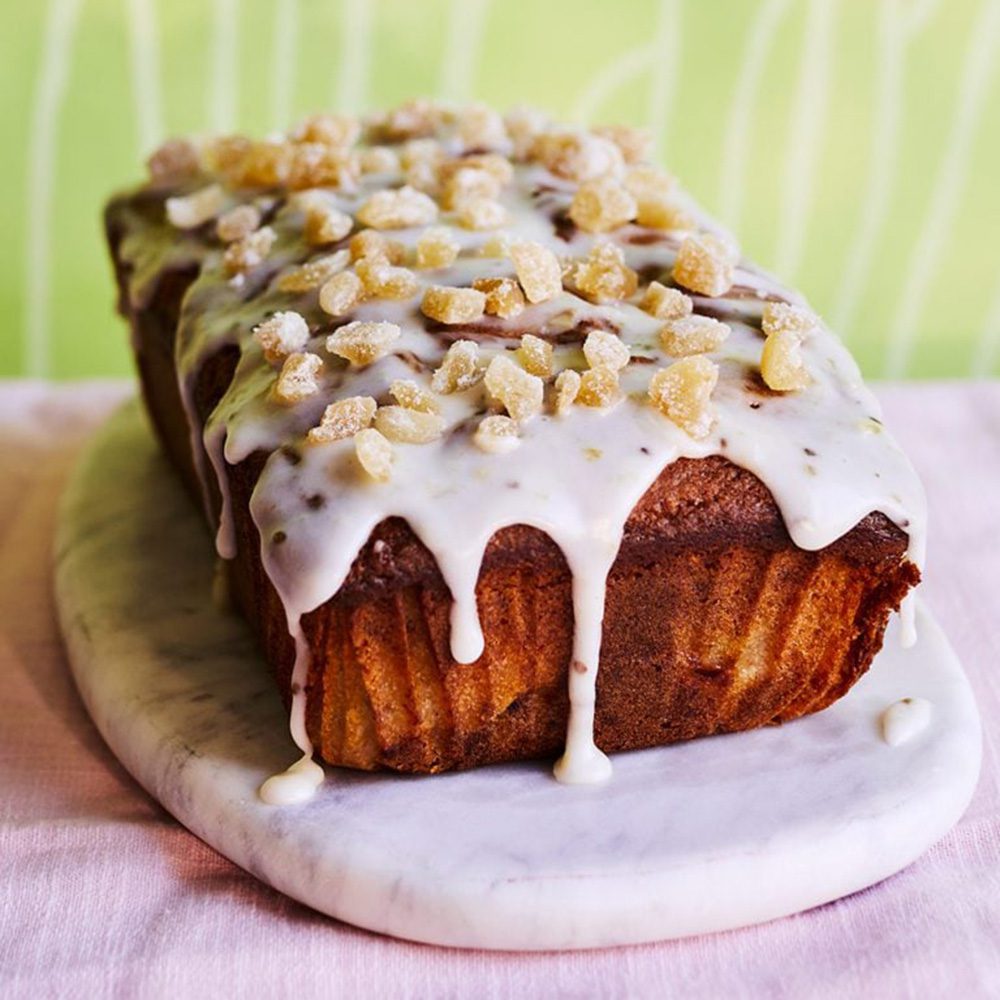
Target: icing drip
822,452
905,719
296,785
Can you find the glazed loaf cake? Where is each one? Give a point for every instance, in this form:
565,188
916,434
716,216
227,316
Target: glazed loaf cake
507,450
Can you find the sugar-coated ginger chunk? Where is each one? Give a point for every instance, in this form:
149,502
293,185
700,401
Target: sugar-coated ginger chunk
399,423
407,393
437,248
192,210
459,368
496,434
538,270
603,275
504,297
705,264
599,387
683,393
282,334
603,349
398,208
374,454
535,355
666,303
341,293
692,335
343,419
363,342
567,386
517,390
453,305
298,379
781,363
602,204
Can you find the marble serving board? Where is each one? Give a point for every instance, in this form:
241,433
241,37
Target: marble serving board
712,834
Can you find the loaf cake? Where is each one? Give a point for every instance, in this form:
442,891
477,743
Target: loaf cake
509,453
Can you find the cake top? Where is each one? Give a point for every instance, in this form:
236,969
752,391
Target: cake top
471,320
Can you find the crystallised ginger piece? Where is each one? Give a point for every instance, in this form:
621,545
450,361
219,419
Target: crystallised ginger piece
520,392
374,454
325,224
567,386
784,317
363,342
453,305
314,273
603,276
369,243
195,209
598,387
481,213
601,205
535,355
249,252
577,155
237,222
298,379
343,419
341,293
315,165
480,127
468,184
605,350
538,270
682,392
282,334
407,393
176,159
705,264
328,129
399,423
665,303
693,335
459,368
781,364
496,435
436,248
523,125
398,209
378,160
504,297
385,281
633,142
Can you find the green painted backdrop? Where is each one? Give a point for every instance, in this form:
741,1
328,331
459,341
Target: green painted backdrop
854,145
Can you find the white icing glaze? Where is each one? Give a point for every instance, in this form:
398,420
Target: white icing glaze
905,719
295,785
822,452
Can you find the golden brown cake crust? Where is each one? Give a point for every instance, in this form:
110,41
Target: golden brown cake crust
715,621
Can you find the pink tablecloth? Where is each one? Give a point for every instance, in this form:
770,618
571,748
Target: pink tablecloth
104,894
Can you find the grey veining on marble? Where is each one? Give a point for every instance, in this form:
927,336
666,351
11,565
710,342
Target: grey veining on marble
703,836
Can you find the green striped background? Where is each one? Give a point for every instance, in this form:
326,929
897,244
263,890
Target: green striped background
853,144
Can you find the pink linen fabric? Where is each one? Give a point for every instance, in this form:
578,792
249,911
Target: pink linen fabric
103,894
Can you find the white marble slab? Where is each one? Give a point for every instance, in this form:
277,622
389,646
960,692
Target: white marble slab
712,834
